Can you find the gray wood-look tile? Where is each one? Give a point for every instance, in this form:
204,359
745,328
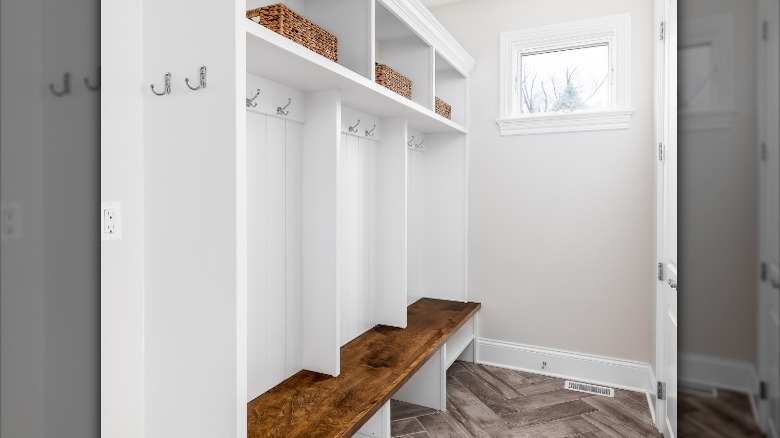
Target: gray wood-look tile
546,399
487,395
401,410
475,412
405,427
566,427
489,402
437,426
727,415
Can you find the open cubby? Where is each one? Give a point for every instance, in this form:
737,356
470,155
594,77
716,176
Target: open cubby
452,87
398,47
349,20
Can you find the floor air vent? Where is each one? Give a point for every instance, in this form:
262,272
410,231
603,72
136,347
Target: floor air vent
590,389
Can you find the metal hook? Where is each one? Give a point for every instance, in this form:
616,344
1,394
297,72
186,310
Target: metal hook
202,79
410,142
419,144
281,109
250,103
371,132
167,88
65,86
93,87
354,128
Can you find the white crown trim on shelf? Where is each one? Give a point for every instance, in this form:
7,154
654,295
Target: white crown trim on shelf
424,24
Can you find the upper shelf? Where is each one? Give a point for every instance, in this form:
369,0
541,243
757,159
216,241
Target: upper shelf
279,59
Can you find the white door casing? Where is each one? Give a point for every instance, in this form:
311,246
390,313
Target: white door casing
666,215
769,214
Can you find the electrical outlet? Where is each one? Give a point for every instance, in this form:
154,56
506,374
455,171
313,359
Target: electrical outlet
111,221
9,220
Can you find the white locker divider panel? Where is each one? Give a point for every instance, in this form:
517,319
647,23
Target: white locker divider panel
389,231
322,254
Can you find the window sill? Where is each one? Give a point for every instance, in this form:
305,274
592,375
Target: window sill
566,122
701,120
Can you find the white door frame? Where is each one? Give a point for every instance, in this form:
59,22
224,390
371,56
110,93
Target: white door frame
767,80
666,134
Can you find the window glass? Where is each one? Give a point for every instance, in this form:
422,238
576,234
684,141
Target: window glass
572,79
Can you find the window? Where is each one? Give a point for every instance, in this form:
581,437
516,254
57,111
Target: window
567,77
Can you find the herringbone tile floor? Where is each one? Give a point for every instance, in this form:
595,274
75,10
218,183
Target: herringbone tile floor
489,402
726,415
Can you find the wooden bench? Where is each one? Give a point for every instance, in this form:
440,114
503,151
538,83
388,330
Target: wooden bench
374,366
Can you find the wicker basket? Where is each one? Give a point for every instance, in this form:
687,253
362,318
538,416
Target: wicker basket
389,78
288,23
443,108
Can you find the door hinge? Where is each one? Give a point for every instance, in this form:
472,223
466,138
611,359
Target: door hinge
661,391
662,31
763,271
762,390
763,151
660,271
765,31
660,151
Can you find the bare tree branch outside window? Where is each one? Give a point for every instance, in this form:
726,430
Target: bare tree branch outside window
566,80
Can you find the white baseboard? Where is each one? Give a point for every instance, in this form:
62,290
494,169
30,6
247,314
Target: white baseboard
718,372
633,376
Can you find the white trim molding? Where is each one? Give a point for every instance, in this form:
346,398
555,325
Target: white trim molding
424,24
566,122
618,373
613,30
718,372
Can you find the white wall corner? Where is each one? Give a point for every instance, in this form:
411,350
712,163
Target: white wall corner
618,373
735,375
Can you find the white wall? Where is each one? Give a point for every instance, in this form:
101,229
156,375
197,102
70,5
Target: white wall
195,223
561,226
122,179
719,209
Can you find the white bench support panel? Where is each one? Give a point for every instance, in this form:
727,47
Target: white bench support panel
428,386
379,425
459,342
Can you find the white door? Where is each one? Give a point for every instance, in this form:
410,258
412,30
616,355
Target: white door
769,216
666,219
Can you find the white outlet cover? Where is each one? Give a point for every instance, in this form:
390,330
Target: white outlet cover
110,221
9,221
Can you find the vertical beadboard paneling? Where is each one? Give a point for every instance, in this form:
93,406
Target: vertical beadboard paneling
342,242
353,232
275,240
294,246
364,149
256,256
416,216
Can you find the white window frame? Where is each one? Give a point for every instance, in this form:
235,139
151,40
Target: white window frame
614,30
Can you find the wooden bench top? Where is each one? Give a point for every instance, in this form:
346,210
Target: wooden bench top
373,367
